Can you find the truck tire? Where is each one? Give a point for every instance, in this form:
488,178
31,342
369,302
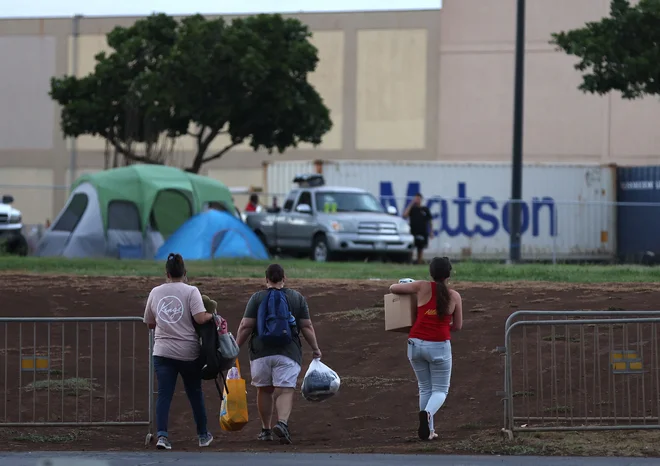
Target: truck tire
320,249
16,245
262,238
264,241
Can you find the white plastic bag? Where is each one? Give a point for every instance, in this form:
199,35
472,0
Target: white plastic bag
320,382
233,374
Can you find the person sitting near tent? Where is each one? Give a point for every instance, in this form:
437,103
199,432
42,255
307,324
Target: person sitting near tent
171,309
253,204
275,360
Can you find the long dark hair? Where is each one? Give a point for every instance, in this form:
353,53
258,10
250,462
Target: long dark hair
440,270
175,267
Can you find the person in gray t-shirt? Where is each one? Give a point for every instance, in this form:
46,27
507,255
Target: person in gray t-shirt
275,369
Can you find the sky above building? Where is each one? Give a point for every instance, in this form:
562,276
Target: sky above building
50,8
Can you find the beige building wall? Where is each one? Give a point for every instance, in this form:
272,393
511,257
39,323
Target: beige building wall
391,89
416,85
562,124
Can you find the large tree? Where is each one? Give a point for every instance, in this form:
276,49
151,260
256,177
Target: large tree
247,79
620,52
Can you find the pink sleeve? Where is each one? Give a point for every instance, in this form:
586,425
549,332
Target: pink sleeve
149,317
195,302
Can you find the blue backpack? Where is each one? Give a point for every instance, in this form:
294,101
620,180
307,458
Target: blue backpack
274,319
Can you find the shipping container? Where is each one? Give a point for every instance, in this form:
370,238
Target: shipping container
638,225
569,211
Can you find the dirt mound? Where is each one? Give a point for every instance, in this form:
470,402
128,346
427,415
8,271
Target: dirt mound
374,411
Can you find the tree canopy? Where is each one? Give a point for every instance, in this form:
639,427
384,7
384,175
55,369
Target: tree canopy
247,79
619,52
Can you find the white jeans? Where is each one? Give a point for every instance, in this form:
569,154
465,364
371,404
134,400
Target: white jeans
431,361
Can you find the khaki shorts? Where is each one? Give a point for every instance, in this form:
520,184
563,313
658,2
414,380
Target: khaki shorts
274,371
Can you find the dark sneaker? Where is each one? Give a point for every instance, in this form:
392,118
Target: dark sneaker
282,431
424,430
205,440
266,435
163,444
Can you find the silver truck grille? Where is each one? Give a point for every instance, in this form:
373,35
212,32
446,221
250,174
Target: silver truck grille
377,228
4,218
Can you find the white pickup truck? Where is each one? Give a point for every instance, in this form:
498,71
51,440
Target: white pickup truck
12,240
326,222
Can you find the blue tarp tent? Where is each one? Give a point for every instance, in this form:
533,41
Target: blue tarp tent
213,235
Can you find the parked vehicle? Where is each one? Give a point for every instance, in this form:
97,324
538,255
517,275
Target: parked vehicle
12,240
568,211
327,222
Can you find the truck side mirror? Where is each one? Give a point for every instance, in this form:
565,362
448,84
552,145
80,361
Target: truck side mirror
304,209
392,210
7,199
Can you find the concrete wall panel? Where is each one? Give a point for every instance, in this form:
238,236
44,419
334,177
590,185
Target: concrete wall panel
89,45
487,24
26,111
476,105
35,200
634,129
328,79
560,121
391,89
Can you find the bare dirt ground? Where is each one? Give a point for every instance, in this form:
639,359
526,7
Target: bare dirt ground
98,372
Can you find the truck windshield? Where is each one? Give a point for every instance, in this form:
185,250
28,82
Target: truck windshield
347,202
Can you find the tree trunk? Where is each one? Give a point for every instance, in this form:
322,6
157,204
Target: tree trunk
106,155
197,164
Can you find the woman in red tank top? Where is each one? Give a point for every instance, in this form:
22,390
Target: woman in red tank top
439,312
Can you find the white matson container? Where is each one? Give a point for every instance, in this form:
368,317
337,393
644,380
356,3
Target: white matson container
569,211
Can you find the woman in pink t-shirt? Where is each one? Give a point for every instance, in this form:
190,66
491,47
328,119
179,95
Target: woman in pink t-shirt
171,309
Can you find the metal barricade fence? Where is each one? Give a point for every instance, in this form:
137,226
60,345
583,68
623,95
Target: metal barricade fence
581,370
77,372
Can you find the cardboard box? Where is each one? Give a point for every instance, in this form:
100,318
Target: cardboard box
400,312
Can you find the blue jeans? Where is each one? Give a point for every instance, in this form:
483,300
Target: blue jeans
167,372
431,361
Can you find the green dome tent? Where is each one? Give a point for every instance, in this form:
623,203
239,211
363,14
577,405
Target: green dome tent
132,208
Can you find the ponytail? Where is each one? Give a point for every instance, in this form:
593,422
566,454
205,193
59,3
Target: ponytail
175,267
442,298
440,270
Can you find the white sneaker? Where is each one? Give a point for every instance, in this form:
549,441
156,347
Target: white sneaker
163,444
205,440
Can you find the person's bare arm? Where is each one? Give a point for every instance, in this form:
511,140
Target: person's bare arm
149,318
248,322
197,309
307,330
406,213
457,323
244,331
429,223
406,288
202,317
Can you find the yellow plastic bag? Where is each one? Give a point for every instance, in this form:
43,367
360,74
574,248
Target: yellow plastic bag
234,410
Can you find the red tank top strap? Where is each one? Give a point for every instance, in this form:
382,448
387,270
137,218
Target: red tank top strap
432,301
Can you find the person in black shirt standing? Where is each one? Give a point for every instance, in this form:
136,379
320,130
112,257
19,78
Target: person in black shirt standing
420,225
